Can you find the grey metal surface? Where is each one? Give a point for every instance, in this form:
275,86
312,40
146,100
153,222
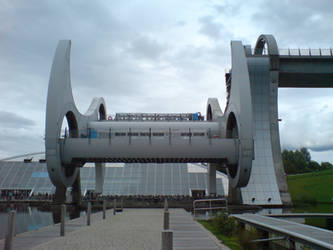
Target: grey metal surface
240,109
306,71
263,186
155,150
60,105
299,232
267,184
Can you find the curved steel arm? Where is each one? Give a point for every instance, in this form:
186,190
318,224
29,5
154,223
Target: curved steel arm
60,105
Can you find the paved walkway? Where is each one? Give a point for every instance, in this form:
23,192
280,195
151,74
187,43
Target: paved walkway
132,229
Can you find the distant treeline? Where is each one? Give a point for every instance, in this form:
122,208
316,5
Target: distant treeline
299,161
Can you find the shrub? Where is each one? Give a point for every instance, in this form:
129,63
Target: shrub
246,237
225,225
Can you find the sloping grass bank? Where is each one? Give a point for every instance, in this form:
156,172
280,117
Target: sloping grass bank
314,187
313,193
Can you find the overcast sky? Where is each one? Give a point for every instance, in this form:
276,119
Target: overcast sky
153,56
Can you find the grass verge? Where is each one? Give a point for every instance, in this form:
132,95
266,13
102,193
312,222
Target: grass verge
230,241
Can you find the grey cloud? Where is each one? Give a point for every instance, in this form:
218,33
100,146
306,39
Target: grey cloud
181,23
211,28
127,56
309,127
30,35
228,8
13,120
19,141
146,47
296,23
321,148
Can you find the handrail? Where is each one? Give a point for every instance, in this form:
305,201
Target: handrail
210,204
301,52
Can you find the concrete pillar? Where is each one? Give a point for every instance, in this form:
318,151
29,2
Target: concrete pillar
10,233
166,220
88,213
234,195
60,194
99,177
62,220
211,175
167,240
76,190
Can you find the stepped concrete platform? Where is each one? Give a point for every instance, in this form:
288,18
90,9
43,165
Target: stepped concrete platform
131,229
189,234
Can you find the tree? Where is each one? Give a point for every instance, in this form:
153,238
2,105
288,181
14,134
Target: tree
325,165
299,161
314,166
306,154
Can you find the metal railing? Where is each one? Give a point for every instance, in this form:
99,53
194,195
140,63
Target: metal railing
301,52
159,117
210,204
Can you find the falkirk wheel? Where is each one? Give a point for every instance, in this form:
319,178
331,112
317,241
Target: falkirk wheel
244,138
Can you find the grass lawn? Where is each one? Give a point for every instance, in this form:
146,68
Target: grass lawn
315,187
313,193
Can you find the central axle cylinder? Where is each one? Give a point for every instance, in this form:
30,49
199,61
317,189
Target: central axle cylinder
114,141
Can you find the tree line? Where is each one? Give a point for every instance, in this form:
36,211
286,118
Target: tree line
299,161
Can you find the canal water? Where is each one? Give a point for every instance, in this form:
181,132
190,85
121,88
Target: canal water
316,208
31,218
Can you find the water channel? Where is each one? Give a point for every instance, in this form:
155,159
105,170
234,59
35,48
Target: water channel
30,218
